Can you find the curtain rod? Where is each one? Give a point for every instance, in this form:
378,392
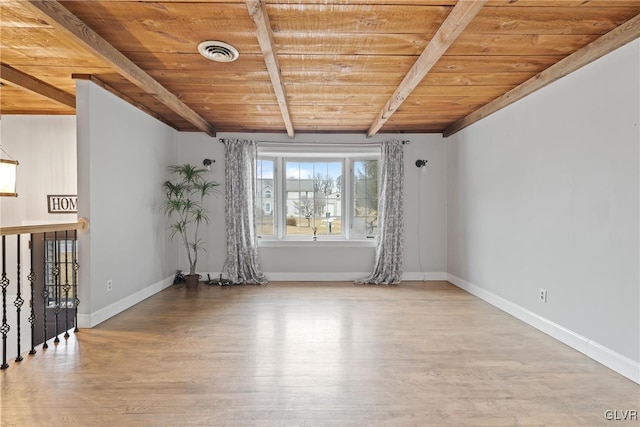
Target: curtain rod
224,140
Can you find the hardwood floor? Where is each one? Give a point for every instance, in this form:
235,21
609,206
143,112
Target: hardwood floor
312,354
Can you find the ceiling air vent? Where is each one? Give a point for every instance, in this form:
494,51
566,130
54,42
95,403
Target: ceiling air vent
218,51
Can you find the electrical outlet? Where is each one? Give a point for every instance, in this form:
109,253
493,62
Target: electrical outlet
543,295
109,285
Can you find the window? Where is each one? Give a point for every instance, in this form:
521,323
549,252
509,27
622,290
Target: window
59,271
313,205
365,198
264,199
333,195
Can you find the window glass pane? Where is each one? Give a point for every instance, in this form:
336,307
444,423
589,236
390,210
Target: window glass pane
365,203
59,274
264,197
312,198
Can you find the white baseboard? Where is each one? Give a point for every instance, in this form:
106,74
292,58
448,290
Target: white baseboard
296,277
333,277
601,354
93,319
615,361
314,277
342,277
407,275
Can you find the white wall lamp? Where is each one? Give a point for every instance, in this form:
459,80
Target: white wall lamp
8,173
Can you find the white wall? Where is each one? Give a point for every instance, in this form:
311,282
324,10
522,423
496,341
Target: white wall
45,147
545,194
425,214
123,156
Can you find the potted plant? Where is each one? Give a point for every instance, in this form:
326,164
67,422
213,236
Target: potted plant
185,198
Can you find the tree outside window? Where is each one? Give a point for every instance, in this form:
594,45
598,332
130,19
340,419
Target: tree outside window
312,197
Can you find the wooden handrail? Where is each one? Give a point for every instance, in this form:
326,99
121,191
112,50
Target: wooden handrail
82,225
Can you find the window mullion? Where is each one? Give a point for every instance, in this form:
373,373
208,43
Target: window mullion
282,176
276,198
347,200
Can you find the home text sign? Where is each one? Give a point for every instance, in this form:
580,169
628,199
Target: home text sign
62,204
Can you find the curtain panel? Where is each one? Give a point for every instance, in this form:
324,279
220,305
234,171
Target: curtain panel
390,245
242,263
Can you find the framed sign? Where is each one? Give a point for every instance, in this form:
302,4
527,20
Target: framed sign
62,204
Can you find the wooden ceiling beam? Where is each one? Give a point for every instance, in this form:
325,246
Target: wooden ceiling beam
111,89
258,13
460,16
33,85
612,40
61,19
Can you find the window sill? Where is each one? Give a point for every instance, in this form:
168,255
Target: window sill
320,243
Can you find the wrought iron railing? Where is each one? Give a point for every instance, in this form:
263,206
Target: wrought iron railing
52,275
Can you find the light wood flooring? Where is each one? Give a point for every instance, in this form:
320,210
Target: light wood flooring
312,354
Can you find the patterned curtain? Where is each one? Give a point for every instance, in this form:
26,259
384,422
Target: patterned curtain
242,264
390,245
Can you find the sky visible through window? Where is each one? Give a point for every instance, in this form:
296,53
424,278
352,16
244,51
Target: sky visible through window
265,169
308,170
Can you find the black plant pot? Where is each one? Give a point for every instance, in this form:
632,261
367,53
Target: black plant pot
191,280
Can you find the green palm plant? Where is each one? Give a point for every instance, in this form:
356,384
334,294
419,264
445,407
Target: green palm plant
185,198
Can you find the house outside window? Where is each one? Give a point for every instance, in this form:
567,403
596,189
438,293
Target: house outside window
264,197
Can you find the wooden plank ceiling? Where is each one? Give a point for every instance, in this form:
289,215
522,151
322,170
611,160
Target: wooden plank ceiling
304,66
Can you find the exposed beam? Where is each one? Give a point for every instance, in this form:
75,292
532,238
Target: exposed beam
33,85
460,16
258,13
122,96
63,20
614,39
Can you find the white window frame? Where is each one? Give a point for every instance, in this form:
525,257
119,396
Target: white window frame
347,154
